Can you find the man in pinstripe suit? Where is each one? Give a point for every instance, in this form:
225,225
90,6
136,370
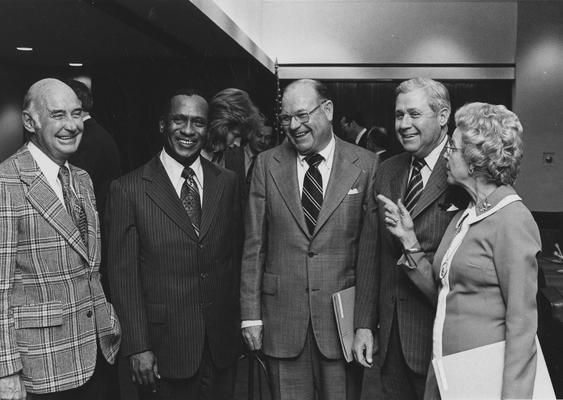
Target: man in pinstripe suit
56,327
387,303
173,260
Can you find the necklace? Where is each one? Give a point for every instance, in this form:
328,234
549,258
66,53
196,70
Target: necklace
483,205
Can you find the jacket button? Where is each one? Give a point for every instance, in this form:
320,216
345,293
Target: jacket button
89,314
311,254
203,275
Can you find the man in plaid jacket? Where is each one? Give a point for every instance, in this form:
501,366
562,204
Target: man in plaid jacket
56,326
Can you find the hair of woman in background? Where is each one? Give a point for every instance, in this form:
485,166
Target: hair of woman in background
232,118
483,278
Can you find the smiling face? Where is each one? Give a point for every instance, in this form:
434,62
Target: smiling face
54,117
314,135
419,129
185,127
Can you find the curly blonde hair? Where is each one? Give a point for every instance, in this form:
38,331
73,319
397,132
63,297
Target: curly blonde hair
491,141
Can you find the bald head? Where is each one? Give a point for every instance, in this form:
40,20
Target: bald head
53,115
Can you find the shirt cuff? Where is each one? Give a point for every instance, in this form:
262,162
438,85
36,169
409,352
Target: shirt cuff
251,322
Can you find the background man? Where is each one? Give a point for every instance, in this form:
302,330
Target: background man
242,159
174,254
374,139
97,153
56,327
305,215
384,294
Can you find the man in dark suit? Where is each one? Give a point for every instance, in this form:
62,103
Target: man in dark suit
56,327
388,305
174,248
305,217
97,153
242,159
374,139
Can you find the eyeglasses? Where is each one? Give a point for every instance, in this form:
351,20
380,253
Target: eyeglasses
302,117
450,148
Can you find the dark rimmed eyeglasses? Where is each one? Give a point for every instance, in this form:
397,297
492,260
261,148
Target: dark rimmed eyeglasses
302,116
451,148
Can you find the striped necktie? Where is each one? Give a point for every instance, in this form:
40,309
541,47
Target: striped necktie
190,198
250,169
73,206
415,187
312,196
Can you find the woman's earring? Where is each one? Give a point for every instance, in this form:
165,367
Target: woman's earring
470,170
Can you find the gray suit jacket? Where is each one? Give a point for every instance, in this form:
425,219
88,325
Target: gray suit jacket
288,275
383,288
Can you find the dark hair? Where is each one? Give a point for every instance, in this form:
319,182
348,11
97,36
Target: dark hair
354,117
83,93
166,104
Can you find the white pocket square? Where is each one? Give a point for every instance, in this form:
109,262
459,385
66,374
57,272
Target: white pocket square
353,191
453,208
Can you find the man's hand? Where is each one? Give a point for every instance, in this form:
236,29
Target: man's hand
364,347
144,369
12,388
253,337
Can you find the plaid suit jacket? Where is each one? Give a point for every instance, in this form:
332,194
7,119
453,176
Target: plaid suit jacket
53,305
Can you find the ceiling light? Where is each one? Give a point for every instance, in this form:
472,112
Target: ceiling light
24,48
75,64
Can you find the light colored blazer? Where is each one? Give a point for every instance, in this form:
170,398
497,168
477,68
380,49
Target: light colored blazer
493,287
288,275
53,305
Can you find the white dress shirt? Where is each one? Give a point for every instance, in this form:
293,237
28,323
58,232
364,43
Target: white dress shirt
324,168
174,170
430,161
50,169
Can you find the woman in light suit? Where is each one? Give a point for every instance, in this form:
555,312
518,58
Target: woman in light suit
484,277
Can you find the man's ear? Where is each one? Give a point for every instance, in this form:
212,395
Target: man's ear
444,116
29,123
161,125
328,109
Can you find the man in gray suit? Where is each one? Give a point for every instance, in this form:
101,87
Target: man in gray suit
305,216
387,303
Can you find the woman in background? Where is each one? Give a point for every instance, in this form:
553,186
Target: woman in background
232,117
484,277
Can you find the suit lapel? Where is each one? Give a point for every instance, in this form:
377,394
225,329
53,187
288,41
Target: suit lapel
344,173
91,217
435,186
42,197
399,177
212,191
160,190
285,178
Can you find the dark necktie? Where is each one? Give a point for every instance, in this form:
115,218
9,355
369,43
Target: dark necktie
415,187
72,204
312,196
250,169
190,198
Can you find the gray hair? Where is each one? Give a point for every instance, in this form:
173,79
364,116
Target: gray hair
438,96
491,141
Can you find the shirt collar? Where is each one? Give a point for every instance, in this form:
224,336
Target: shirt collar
248,153
327,153
174,168
48,167
86,118
432,158
359,136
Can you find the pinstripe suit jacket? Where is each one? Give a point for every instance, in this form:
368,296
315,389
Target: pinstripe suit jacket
53,305
171,288
383,288
289,275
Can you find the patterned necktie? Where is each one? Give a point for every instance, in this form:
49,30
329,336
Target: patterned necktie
72,204
312,196
414,188
190,198
250,169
